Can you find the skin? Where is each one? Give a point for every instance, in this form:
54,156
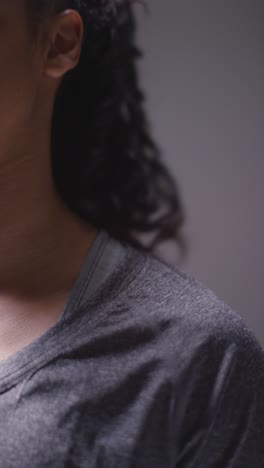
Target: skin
42,243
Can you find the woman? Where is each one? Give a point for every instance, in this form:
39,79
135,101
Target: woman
109,356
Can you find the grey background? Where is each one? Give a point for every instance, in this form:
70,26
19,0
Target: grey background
203,76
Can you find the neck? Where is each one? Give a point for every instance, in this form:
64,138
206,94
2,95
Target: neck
37,231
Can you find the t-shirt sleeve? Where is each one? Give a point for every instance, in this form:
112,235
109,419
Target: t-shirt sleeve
222,403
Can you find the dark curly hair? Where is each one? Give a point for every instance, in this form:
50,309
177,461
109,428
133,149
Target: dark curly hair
106,166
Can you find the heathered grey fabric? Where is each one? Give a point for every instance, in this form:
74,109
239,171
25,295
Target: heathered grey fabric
148,369
102,258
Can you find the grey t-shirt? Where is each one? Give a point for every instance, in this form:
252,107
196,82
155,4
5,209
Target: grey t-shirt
146,367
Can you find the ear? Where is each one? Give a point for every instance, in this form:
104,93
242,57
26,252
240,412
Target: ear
65,35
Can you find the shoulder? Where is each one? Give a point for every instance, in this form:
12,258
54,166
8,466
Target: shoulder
187,315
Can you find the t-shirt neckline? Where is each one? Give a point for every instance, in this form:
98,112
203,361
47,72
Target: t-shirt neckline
44,348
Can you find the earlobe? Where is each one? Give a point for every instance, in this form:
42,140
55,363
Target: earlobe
63,65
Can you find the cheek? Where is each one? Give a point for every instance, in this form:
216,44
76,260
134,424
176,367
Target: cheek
17,84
